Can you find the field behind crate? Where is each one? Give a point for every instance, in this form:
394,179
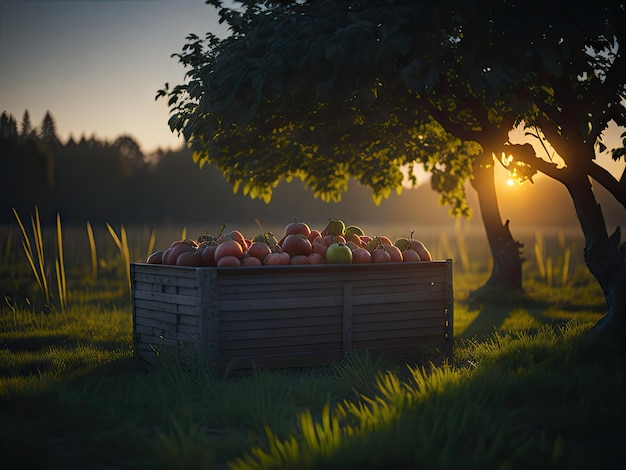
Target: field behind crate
292,316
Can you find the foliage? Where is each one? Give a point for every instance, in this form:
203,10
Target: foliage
312,91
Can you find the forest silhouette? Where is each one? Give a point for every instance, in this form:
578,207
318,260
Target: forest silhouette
115,182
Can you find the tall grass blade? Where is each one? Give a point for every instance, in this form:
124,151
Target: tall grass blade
565,270
116,239
92,249
151,243
125,255
38,237
539,255
463,250
445,243
549,271
122,246
28,250
60,268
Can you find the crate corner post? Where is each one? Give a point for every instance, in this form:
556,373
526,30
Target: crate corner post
208,313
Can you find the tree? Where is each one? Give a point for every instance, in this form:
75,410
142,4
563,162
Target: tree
8,128
320,91
577,87
48,131
332,84
27,131
129,154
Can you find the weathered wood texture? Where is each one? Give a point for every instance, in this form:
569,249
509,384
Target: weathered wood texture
292,316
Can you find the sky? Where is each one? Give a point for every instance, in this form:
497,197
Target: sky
97,65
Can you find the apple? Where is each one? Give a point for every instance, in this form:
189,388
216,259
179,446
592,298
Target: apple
297,227
297,244
190,258
402,243
410,255
334,227
259,250
171,254
394,252
208,254
353,229
156,257
250,261
318,247
229,261
316,258
381,255
314,234
338,253
276,258
361,255
421,250
300,259
354,238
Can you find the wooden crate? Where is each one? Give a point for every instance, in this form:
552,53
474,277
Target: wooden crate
292,316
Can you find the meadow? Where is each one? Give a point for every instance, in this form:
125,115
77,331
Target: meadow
526,385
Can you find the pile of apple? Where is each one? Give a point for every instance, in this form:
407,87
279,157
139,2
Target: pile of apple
336,243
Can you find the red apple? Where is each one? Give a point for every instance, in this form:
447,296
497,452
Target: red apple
259,250
421,250
277,258
318,247
394,252
380,255
297,244
316,258
361,255
314,234
410,255
297,227
250,261
300,259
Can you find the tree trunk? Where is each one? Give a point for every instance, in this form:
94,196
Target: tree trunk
506,272
604,258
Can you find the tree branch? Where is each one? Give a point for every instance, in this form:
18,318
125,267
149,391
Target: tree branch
608,181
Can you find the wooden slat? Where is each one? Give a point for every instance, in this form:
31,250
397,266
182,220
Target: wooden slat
166,298
278,323
391,335
298,342
400,324
305,313
435,307
280,349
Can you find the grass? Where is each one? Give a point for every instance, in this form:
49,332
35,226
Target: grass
526,388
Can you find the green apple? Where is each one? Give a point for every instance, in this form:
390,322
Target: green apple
402,243
353,229
334,227
339,253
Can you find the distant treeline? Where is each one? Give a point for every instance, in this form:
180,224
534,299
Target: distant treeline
99,181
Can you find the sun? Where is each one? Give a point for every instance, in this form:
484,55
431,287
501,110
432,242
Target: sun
510,182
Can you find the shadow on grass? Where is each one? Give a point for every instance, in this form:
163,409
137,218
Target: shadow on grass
495,307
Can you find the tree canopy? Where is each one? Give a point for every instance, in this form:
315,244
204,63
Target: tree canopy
325,90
